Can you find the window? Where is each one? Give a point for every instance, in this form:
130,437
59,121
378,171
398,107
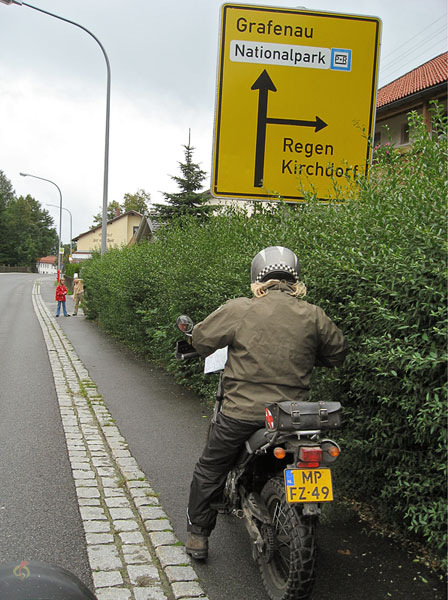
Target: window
404,138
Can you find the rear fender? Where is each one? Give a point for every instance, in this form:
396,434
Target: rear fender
255,507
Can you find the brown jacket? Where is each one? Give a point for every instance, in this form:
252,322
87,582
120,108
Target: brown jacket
78,287
274,343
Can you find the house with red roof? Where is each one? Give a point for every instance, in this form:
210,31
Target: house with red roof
47,265
412,91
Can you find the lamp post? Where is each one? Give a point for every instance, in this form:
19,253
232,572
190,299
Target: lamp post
60,211
106,145
71,218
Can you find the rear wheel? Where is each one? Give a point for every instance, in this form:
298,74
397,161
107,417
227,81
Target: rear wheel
289,575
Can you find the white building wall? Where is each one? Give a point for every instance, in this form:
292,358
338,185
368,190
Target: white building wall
46,269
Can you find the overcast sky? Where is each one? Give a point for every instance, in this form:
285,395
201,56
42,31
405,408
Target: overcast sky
163,57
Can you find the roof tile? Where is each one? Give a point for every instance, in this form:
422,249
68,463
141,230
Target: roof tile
429,74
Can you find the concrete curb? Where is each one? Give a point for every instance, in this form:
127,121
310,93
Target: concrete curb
132,549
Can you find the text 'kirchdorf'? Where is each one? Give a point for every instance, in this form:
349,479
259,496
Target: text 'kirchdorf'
280,54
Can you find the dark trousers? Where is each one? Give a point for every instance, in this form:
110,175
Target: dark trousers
226,439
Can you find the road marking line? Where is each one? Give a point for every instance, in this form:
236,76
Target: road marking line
131,546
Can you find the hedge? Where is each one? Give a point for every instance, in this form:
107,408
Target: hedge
376,264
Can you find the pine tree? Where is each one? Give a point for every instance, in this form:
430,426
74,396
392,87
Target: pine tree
189,200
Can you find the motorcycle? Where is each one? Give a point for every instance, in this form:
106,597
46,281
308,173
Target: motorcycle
279,482
33,580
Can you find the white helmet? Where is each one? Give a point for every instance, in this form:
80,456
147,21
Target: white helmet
275,262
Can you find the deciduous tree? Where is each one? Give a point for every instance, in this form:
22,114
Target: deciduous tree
113,208
138,202
28,232
6,195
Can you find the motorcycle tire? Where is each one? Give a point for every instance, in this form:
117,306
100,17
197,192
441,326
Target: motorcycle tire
290,573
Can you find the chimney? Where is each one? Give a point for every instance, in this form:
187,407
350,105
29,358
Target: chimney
117,212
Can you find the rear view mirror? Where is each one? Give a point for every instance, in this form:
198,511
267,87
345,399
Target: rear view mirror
185,324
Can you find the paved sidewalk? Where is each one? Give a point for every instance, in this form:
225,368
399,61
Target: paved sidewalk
132,549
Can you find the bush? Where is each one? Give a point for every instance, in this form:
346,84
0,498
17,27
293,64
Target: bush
376,264
71,268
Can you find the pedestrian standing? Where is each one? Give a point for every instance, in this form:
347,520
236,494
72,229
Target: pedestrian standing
78,292
61,293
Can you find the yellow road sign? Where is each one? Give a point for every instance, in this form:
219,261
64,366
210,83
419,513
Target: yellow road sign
295,103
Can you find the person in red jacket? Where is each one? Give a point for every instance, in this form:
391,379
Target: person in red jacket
61,293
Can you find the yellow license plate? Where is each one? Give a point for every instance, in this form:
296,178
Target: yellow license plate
308,485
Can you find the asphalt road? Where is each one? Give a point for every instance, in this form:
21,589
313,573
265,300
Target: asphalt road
165,427
39,516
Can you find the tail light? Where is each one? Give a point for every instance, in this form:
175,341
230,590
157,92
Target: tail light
330,451
310,457
279,452
334,451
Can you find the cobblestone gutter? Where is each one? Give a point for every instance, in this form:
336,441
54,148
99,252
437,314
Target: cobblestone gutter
131,546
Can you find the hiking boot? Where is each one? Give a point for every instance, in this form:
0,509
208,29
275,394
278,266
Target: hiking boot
197,546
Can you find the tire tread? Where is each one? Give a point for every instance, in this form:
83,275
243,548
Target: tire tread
302,553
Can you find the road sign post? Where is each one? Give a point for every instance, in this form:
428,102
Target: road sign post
295,103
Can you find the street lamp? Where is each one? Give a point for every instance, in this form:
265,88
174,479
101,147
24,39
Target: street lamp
106,145
60,208
69,212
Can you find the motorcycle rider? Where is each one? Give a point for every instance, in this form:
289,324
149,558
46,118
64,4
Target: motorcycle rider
274,340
